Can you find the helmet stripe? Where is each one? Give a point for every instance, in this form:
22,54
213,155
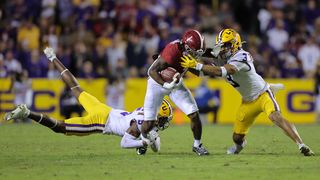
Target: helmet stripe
220,35
169,106
201,38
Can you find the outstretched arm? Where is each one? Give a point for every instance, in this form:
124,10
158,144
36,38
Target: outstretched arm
190,62
66,75
130,138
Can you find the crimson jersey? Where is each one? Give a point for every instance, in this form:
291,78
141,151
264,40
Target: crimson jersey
172,55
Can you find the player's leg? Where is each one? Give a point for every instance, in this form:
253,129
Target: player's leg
68,78
152,103
94,122
22,112
88,101
183,98
291,131
215,114
273,111
74,126
245,117
82,126
66,75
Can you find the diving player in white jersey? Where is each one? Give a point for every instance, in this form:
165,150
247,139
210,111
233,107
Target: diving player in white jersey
101,118
256,94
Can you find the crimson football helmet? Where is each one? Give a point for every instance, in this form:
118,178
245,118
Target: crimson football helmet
193,43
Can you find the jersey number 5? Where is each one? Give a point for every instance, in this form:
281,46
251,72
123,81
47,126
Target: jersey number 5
232,82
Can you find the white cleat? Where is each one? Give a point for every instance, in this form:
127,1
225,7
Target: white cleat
155,145
276,87
21,112
236,148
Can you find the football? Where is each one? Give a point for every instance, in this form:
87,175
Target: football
168,74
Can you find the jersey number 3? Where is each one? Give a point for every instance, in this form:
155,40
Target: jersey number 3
232,82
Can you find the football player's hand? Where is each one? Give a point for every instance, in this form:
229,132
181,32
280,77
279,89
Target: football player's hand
145,140
188,61
216,50
49,52
179,82
172,84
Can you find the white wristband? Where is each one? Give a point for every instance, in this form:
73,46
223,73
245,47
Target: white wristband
199,66
223,71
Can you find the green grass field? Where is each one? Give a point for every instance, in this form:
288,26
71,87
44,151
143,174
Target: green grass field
30,151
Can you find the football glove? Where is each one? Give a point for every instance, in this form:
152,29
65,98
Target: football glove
180,82
145,140
49,52
172,84
190,62
216,50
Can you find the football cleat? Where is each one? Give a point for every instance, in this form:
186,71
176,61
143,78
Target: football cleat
141,150
155,145
306,151
21,112
236,148
200,150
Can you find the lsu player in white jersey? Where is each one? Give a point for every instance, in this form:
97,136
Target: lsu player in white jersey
101,118
257,96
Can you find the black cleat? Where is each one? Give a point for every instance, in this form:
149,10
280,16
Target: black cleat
141,150
306,151
201,151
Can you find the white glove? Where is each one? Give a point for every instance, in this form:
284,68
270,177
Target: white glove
49,52
146,140
172,84
180,82
216,50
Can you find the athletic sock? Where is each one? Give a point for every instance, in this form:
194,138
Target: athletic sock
300,145
196,143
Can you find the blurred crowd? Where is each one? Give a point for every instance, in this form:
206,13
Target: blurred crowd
117,38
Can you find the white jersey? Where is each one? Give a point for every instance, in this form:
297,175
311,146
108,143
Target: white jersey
246,80
119,121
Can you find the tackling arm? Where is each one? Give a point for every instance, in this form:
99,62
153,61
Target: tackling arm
129,141
219,70
190,62
130,138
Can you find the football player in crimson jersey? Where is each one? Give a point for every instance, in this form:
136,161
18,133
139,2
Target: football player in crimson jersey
101,118
192,43
257,94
